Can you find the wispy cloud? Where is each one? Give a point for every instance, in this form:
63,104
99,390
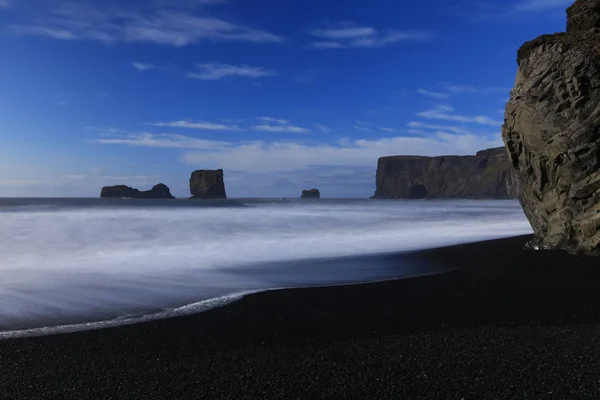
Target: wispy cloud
327,45
362,128
323,128
198,125
161,140
261,156
275,125
475,89
540,5
446,113
4,3
391,130
435,95
173,23
61,103
140,66
273,120
349,34
216,71
446,128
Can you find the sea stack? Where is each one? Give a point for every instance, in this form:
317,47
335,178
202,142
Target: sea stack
552,130
310,194
160,191
207,184
488,174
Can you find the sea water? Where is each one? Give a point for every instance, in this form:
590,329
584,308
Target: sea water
72,264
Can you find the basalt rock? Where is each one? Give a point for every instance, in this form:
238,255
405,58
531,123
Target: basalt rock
311,194
207,184
487,174
552,133
160,191
583,15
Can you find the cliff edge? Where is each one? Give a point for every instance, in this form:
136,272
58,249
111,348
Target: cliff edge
488,174
552,132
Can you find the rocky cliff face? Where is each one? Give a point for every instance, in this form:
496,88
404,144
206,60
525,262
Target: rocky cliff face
487,174
552,132
160,191
311,194
207,184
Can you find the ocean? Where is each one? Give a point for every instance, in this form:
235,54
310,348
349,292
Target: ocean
76,264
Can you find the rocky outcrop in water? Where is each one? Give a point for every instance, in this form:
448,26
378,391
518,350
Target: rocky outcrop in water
487,174
310,194
552,132
160,191
207,184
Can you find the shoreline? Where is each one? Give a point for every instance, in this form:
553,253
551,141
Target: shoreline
507,323
194,308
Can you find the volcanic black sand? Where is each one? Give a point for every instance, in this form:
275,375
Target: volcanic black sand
507,323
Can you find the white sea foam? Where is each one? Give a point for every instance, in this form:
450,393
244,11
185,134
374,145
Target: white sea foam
65,265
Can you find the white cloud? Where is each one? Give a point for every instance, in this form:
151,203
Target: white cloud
162,140
177,23
106,131
349,34
391,130
260,156
362,128
446,113
198,125
446,128
435,95
140,66
4,3
51,32
273,120
475,89
327,45
280,128
541,5
215,71
276,125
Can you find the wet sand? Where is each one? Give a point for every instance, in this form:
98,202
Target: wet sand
506,323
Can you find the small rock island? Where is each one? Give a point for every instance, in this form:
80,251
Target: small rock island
206,184
160,191
310,194
551,131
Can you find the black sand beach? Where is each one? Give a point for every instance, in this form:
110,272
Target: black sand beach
507,323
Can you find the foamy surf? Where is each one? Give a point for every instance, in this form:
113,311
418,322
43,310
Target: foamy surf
77,262
126,319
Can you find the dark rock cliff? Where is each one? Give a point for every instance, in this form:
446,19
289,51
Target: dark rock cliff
311,194
160,191
207,184
487,174
552,132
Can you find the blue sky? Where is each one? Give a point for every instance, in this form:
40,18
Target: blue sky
283,95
